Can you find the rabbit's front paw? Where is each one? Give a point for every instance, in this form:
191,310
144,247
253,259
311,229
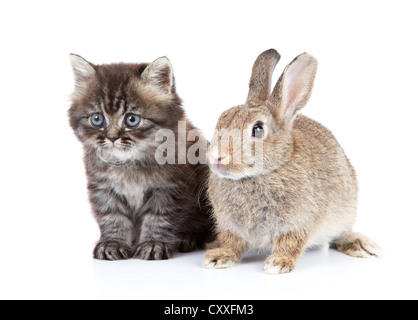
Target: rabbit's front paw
278,265
220,259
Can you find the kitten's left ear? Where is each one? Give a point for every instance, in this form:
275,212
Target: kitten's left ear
160,74
83,70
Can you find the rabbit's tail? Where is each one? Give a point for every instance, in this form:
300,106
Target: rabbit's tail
356,245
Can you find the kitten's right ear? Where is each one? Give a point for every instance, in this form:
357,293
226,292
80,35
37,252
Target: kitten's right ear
83,70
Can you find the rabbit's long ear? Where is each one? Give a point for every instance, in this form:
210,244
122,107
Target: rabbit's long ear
260,81
294,88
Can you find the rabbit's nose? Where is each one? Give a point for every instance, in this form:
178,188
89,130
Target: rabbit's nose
222,162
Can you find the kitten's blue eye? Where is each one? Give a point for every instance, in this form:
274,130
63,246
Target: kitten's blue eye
97,120
132,120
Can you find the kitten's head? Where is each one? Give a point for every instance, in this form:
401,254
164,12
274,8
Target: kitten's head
118,108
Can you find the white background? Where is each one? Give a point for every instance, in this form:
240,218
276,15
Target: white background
366,93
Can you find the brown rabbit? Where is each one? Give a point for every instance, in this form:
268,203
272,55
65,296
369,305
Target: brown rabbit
299,191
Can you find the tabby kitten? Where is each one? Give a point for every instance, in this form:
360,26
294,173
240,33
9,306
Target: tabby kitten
144,209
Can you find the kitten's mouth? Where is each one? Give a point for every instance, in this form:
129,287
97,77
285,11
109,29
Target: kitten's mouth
114,146
116,154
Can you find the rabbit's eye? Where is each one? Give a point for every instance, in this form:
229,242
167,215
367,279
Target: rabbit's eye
258,131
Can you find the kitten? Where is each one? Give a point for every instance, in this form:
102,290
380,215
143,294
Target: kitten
144,209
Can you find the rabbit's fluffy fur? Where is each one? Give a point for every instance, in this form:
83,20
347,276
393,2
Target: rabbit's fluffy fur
300,192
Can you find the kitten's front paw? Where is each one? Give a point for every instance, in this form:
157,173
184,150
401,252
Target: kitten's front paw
112,250
187,245
220,259
278,265
154,251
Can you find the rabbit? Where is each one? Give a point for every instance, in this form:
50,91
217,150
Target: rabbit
300,192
